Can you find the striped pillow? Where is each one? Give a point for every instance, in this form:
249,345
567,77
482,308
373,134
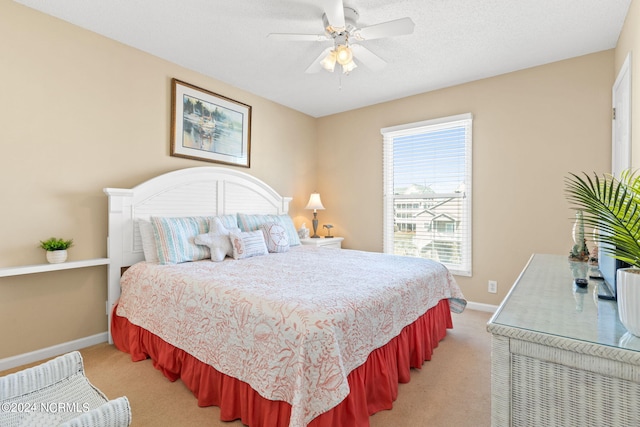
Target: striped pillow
248,244
228,221
248,222
175,238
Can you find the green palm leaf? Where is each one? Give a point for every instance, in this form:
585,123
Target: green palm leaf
613,207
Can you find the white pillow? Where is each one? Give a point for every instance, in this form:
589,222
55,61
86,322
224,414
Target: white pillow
275,237
148,240
217,239
248,244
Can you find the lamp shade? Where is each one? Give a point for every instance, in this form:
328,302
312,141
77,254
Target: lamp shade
314,202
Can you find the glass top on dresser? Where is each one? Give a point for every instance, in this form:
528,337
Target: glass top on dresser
545,299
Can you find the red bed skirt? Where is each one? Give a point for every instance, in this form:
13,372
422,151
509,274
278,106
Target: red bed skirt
374,385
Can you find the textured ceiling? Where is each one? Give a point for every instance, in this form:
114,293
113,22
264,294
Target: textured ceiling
454,41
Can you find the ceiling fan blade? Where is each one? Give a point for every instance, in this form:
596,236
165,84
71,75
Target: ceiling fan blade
368,58
398,27
298,37
334,9
316,65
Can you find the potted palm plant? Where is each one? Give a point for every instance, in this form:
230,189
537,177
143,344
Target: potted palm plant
56,249
613,207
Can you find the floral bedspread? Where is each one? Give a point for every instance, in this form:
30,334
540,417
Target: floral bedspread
293,325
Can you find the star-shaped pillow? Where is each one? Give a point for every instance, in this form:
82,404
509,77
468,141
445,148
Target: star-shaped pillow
217,239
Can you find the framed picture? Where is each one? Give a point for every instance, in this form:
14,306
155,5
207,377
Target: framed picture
210,127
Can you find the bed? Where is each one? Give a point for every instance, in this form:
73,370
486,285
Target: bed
293,336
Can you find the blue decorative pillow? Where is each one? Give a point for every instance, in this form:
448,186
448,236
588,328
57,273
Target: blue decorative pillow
248,222
248,244
175,238
228,221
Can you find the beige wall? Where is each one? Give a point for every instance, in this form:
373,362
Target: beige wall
630,40
80,112
530,129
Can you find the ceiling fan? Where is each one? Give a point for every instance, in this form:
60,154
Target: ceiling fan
340,26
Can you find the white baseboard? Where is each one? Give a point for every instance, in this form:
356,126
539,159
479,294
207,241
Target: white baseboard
481,307
53,351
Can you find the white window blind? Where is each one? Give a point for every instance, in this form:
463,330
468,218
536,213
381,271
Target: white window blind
427,191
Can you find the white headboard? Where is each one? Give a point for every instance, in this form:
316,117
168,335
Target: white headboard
199,191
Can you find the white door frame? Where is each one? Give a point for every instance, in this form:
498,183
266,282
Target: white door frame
621,120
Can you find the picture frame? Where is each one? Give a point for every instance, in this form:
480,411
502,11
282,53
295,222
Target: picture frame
208,126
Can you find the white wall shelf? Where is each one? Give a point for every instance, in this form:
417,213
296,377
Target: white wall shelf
43,268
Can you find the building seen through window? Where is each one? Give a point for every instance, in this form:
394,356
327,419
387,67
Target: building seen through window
427,174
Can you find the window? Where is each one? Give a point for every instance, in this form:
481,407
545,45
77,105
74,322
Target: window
427,191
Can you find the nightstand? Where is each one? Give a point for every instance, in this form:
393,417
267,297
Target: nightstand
333,242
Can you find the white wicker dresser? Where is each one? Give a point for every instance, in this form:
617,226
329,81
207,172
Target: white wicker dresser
560,357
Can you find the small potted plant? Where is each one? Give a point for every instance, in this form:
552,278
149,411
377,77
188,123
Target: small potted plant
56,249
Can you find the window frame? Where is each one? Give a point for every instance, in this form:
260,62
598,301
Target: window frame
388,134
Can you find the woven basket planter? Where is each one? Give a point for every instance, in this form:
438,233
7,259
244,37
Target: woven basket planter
56,257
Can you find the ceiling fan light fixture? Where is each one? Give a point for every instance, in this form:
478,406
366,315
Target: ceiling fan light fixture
348,67
329,61
340,25
344,55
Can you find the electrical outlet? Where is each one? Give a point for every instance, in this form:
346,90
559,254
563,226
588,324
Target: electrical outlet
493,286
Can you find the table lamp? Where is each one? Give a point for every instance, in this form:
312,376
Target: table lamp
315,203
